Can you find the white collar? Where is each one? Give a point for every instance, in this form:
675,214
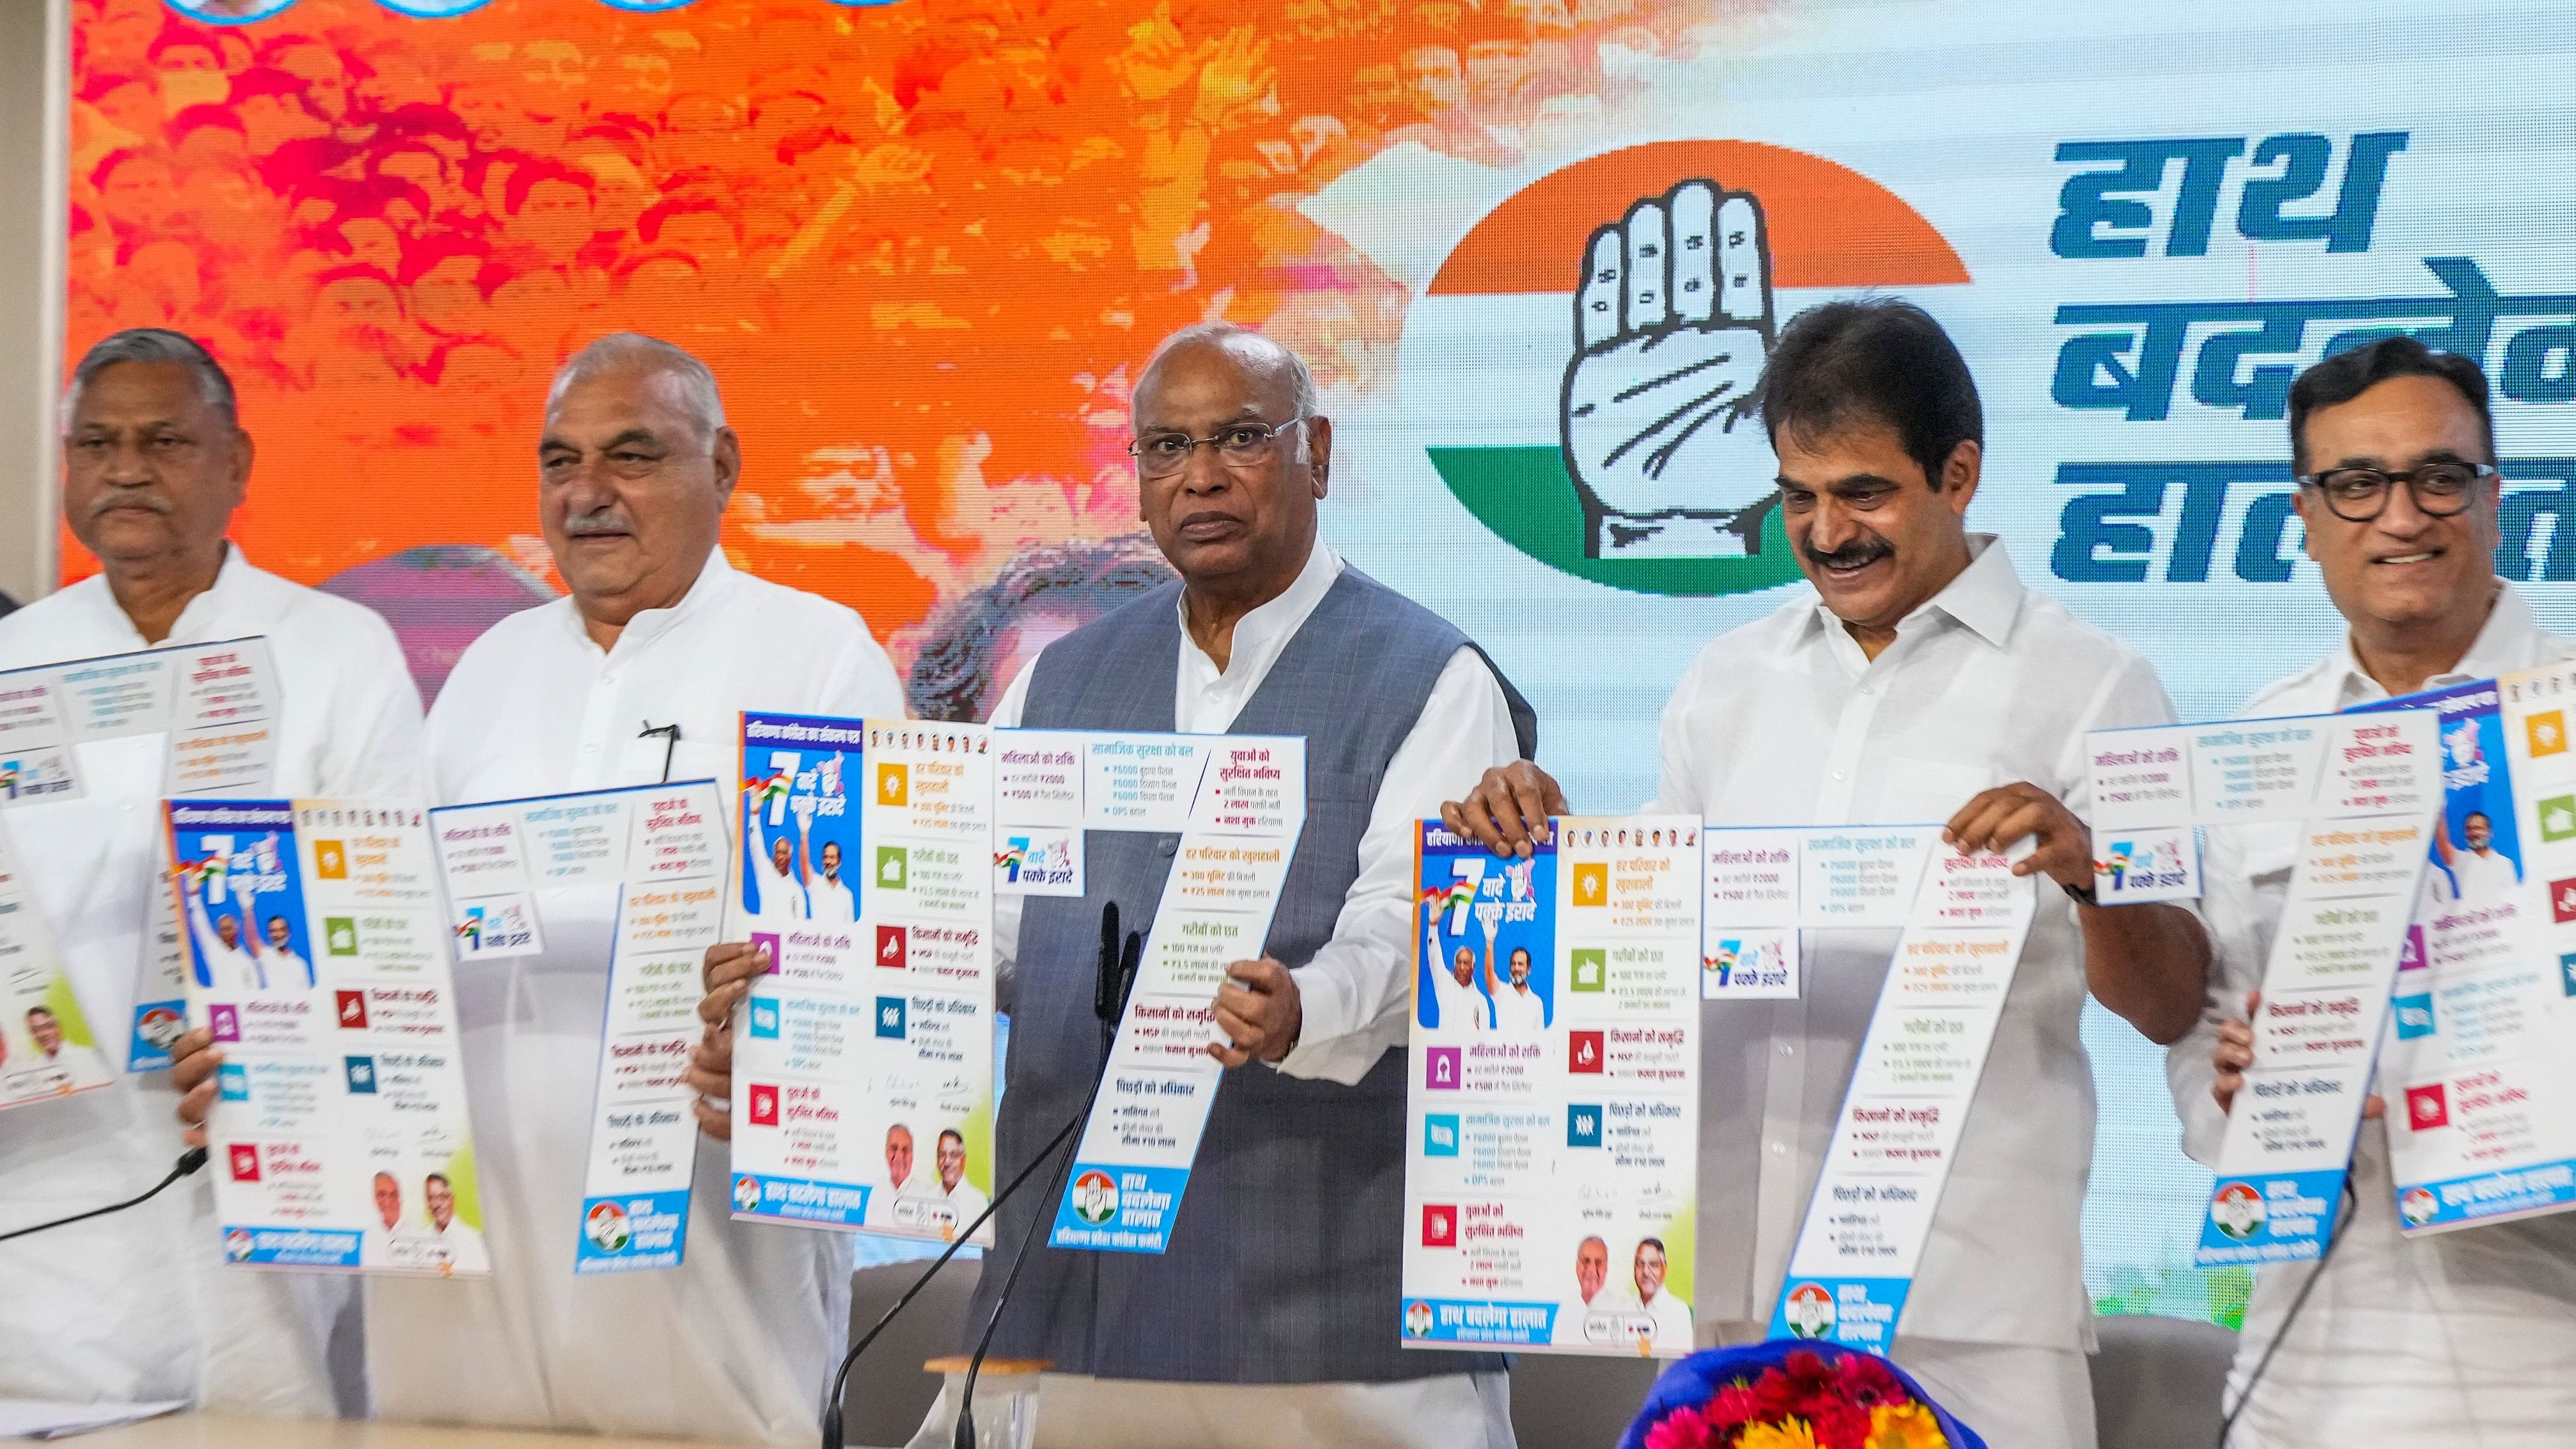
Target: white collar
1261,634
715,580
2505,643
1985,597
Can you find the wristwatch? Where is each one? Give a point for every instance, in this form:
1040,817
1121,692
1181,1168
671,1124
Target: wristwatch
2082,895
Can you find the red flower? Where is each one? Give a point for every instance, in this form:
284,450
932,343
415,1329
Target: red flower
1681,1429
1868,1382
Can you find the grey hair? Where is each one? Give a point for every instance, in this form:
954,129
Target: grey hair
635,350
156,344
1224,334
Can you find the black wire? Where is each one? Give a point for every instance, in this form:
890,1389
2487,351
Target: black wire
2290,1319
189,1161
832,1416
964,1435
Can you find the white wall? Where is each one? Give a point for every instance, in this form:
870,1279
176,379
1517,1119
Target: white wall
35,57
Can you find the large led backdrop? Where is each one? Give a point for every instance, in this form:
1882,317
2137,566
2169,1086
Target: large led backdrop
925,244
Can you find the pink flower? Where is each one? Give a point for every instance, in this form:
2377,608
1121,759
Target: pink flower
1681,1429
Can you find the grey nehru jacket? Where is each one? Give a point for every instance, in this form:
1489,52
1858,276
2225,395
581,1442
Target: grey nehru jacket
1285,1257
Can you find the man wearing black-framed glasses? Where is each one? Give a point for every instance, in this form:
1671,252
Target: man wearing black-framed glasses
2401,1341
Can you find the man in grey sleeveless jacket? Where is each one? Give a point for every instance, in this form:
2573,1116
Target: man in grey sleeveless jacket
1272,1319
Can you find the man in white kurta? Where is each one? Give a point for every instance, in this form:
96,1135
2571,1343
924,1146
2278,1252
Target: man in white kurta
155,464
2460,1338
661,630
1919,682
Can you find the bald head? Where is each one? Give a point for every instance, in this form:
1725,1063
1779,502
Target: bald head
636,466
1232,458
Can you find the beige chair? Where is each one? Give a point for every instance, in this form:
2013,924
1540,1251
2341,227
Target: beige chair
889,1393
2158,1382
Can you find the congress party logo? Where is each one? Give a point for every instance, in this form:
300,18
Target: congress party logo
1810,1310
746,1194
1417,1319
607,1228
1581,368
2237,1210
1095,1197
2419,1206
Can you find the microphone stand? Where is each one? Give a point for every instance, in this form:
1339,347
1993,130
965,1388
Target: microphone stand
189,1161
1111,1004
1117,970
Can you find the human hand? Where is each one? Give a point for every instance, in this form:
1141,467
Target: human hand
1508,810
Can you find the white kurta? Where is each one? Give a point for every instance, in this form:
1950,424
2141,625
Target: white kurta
1356,993
2463,1338
139,1305
1785,722
734,1344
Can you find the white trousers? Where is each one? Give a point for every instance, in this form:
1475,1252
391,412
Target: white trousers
1451,1411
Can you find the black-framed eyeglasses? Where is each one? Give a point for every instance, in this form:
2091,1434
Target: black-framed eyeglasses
1159,455
2358,495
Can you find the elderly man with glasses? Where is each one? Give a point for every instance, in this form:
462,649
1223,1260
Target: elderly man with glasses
2464,1337
1270,1322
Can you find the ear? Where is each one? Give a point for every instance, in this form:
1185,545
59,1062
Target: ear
1319,452
728,460
244,451
1960,474
2301,501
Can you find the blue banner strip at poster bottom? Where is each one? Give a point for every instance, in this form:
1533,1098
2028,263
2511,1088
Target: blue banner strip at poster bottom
292,1247
2275,1217
633,1231
1849,1312
1111,1209
1478,1320
800,1200
2488,1195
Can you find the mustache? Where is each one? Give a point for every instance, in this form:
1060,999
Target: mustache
121,498
588,525
1868,548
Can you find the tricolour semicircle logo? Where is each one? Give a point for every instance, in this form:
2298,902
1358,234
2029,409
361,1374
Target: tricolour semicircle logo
1580,368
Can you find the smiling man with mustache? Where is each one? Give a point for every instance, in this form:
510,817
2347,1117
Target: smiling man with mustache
1272,1312
1919,680
2460,1337
155,461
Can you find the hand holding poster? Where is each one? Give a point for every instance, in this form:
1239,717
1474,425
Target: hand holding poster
1554,1119
863,1061
317,959
659,852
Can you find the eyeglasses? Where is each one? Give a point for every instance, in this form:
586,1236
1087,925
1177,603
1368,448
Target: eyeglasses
1238,445
2358,495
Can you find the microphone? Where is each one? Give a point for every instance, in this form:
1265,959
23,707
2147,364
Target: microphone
189,1161
1108,1002
1112,1004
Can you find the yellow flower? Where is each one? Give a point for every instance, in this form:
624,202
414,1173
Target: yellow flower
1908,1427
1787,1434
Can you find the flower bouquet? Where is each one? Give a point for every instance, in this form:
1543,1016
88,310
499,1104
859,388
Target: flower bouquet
1791,1394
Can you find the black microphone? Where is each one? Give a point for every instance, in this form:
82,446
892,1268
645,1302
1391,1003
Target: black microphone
189,1161
1108,1001
1112,1005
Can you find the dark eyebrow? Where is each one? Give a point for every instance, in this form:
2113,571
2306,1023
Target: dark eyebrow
2429,455
1850,483
551,444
